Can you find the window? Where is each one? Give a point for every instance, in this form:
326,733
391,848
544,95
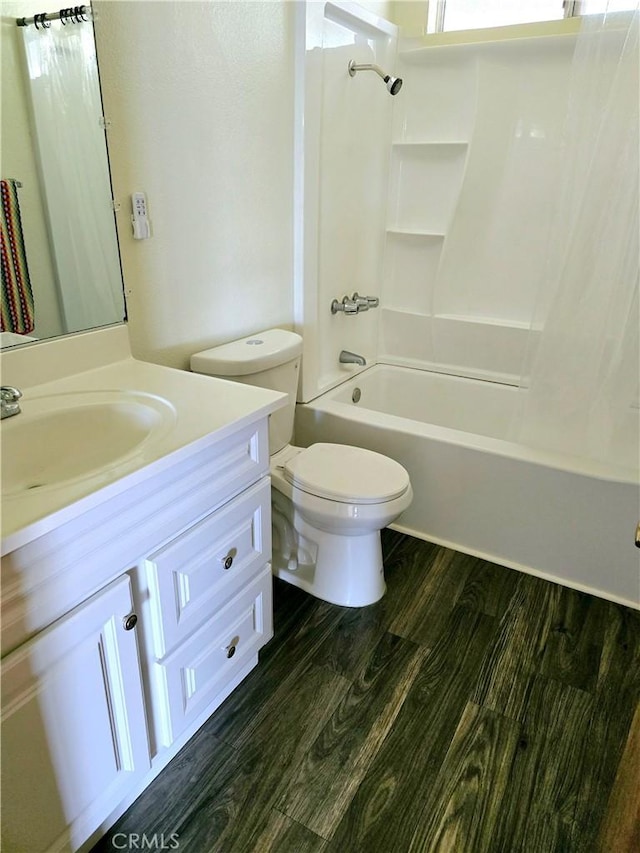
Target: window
449,15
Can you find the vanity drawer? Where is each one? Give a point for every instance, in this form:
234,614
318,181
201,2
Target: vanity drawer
205,668
191,577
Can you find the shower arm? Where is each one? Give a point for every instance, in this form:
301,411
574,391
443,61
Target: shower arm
353,67
393,84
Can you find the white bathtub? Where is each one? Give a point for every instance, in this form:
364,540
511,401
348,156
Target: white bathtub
564,518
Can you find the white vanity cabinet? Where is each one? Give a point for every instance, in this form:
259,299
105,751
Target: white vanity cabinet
93,706
74,734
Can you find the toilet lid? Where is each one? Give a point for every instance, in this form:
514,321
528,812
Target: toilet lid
346,474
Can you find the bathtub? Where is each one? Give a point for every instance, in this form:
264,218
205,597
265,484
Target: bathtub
567,519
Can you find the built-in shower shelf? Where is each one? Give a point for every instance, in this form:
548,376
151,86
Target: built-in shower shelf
424,184
416,232
429,143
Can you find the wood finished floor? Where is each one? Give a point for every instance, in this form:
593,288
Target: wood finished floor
473,709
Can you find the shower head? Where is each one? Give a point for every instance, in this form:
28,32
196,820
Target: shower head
393,84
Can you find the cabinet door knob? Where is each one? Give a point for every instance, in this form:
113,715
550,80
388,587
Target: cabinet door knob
227,561
130,622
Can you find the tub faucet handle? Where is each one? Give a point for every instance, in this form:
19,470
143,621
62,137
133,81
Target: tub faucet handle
365,302
348,306
361,301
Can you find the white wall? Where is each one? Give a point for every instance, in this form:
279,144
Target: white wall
409,15
200,96
201,100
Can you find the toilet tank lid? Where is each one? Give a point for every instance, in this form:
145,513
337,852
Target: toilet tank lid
249,355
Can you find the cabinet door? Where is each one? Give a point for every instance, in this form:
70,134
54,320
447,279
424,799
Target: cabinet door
74,736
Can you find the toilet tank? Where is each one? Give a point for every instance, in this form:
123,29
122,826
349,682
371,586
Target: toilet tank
268,359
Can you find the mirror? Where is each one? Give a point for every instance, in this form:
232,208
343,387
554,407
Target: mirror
61,268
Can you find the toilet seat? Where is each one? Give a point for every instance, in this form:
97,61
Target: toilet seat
351,475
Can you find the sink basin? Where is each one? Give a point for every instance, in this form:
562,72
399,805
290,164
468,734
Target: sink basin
67,437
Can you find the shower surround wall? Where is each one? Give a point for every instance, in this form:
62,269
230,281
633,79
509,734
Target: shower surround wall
478,127
399,197
471,184
344,134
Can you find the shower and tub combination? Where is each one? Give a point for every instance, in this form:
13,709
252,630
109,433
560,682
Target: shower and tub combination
500,369
568,518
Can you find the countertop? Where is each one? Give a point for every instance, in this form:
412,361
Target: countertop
204,410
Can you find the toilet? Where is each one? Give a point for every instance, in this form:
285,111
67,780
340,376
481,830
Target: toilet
329,501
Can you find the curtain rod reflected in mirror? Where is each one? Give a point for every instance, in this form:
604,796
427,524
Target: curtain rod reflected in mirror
55,142
72,15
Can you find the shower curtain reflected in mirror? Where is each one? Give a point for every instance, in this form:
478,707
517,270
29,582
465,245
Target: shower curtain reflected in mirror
580,379
62,77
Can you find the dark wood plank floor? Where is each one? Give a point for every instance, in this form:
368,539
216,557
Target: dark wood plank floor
472,709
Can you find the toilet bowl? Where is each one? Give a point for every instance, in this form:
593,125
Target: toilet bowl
329,504
329,501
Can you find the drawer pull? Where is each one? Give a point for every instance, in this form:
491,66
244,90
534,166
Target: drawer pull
129,622
231,648
227,561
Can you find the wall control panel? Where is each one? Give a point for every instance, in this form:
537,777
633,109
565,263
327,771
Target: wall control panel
139,217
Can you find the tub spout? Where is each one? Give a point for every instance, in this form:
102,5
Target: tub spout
347,357
9,397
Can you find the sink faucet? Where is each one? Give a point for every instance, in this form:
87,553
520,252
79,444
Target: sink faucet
347,357
9,404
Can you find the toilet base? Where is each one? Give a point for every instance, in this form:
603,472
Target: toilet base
344,570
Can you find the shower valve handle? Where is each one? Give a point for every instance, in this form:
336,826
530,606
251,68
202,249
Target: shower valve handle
361,301
354,305
365,302
348,306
